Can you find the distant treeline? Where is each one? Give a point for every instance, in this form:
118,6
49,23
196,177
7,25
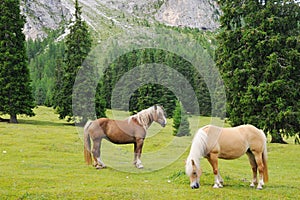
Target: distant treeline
45,55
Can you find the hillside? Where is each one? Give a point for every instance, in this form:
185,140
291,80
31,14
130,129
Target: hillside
107,16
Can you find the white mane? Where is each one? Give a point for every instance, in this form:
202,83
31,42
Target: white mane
198,150
144,117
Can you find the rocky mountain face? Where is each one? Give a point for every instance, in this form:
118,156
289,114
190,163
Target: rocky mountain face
44,15
203,14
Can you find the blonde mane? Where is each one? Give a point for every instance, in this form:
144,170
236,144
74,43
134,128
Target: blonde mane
198,150
144,117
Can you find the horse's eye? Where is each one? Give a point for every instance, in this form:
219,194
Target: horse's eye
194,173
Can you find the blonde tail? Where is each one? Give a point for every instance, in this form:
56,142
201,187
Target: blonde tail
265,158
87,144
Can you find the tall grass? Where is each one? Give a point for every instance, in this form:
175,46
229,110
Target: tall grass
42,158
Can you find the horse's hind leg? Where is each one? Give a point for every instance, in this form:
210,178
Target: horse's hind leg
253,167
96,154
260,166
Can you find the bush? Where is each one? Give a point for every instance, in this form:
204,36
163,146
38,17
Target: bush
180,121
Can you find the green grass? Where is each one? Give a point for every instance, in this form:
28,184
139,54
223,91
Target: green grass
42,158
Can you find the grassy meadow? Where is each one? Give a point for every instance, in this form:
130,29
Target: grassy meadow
42,158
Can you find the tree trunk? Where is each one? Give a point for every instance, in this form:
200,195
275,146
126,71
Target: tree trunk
277,138
13,119
297,140
3,120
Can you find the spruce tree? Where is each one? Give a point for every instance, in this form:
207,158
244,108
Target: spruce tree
58,83
259,58
180,121
15,93
78,45
100,102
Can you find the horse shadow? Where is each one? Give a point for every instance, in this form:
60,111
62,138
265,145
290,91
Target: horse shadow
45,123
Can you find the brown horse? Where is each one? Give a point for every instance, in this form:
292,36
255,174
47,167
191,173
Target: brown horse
214,142
131,130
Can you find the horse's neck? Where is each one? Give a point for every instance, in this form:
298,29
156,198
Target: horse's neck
145,118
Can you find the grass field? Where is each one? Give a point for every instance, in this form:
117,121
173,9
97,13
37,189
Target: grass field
42,158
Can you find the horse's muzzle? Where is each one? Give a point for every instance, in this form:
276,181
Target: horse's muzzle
195,186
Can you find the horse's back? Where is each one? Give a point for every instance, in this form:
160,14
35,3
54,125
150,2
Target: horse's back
247,136
246,132
120,131
233,142
255,137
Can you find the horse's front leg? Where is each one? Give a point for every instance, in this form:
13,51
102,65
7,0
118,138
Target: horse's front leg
137,153
220,178
213,160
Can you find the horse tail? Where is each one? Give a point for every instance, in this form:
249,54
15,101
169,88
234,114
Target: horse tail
264,158
87,143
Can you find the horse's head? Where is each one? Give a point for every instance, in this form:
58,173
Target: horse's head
194,172
159,115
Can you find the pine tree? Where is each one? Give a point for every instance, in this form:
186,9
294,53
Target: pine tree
15,93
180,121
100,102
58,83
78,45
259,58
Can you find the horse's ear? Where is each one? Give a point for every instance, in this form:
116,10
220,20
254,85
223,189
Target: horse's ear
193,162
134,119
155,107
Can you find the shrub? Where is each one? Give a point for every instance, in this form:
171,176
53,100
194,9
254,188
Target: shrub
180,121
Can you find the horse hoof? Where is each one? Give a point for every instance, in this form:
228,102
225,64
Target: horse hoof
259,188
218,186
140,166
100,166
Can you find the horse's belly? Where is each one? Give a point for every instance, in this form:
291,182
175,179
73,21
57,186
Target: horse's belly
229,156
121,139
231,152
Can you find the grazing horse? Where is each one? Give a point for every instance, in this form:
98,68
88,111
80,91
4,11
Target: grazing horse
213,142
131,130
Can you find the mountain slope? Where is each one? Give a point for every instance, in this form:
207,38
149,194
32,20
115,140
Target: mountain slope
192,13
42,16
107,16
